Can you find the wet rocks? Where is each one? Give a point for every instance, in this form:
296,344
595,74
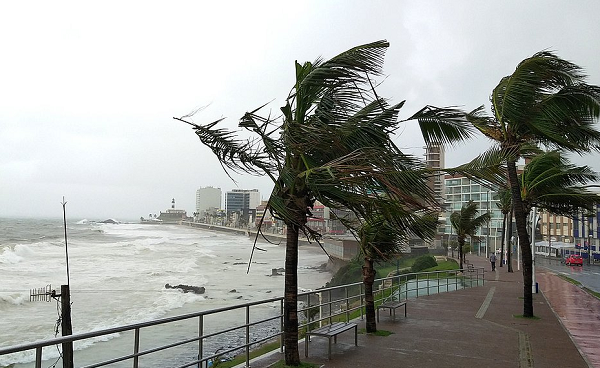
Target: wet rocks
187,288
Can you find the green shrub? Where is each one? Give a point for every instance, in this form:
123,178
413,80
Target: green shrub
347,274
423,262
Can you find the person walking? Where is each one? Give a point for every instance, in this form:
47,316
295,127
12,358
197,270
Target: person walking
493,261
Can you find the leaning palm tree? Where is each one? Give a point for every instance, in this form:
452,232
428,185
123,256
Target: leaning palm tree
551,183
331,144
504,204
544,102
380,240
465,223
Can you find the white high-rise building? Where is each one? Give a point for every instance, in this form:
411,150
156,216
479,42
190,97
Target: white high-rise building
208,197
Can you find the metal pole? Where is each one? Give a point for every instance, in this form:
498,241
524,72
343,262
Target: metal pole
518,254
67,329
248,336
533,223
136,348
200,338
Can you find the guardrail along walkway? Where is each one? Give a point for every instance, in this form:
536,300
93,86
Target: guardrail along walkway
473,327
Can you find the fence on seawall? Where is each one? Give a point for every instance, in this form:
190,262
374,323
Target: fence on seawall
237,330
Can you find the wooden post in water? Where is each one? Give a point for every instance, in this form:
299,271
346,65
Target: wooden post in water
67,329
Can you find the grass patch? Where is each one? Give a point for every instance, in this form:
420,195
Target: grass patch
281,364
520,316
377,333
568,279
262,350
444,266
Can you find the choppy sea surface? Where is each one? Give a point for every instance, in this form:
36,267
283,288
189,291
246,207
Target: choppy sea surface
118,273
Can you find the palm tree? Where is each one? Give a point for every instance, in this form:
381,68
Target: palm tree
550,182
333,144
505,206
465,223
380,240
545,101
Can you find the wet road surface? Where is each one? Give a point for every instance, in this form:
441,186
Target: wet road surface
578,311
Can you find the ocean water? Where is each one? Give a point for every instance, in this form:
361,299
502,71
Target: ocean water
118,274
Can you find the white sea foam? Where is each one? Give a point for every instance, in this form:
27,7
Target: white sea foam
117,277
9,256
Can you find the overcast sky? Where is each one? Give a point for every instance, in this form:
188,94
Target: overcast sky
88,89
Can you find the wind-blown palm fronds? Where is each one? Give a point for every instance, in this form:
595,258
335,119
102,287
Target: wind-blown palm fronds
544,102
465,223
332,144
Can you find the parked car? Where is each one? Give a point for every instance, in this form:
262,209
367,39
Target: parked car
574,260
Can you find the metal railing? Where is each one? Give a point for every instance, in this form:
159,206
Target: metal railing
315,308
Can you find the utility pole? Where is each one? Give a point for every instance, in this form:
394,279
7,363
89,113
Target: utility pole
46,293
65,299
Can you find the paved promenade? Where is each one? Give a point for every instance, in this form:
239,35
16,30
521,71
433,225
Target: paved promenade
475,327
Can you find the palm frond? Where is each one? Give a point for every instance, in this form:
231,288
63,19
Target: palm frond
447,125
551,182
237,155
547,101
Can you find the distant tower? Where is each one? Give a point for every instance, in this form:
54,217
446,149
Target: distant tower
434,159
173,203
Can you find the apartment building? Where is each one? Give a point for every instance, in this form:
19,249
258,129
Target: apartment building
207,198
459,191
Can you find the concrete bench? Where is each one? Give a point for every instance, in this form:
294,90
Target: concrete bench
392,306
331,331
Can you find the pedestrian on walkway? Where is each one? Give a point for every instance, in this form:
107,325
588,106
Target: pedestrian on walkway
493,261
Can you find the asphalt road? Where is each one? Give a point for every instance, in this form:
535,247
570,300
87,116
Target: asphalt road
589,276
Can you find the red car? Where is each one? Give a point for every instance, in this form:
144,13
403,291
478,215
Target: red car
574,260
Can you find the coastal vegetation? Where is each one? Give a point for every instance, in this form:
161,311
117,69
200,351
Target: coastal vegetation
333,143
465,223
544,103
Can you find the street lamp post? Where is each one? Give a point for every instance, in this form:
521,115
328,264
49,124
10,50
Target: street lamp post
589,253
533,223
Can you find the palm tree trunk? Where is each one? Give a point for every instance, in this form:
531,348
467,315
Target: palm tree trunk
509,245
290,306
368,279
503,236
521,222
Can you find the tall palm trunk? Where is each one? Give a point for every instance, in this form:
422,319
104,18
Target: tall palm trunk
290,306
503,239
369,273
521,222
509,243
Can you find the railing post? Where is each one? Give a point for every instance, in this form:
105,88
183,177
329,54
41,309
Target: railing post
417,278
330,302
136,347
281,326
38,357
362,302
347,304
200,339
248,336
